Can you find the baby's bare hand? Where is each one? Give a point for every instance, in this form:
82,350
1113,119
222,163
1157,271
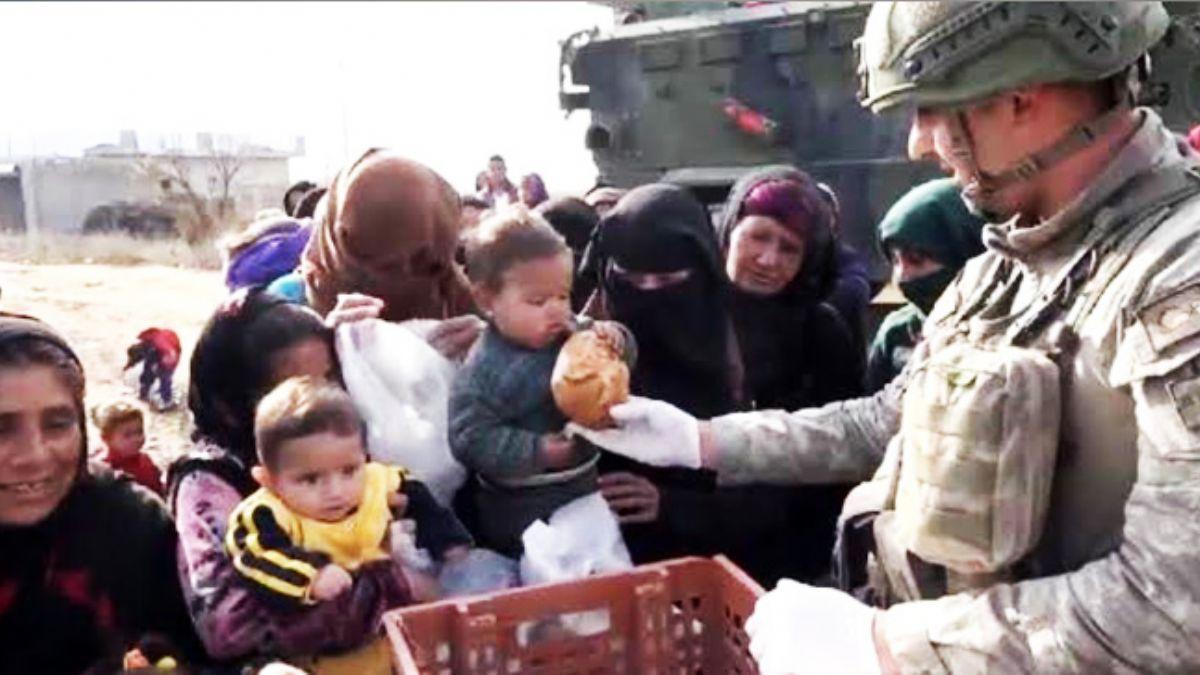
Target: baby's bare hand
331,582
558,451
610,332
398,502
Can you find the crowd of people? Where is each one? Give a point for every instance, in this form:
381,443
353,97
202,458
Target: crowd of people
757,408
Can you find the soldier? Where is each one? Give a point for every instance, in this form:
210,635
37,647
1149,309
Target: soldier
1036,504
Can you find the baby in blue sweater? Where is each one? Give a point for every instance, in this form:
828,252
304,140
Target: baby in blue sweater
504,424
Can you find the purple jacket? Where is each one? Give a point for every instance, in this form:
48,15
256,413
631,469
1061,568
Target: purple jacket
275,253
234,623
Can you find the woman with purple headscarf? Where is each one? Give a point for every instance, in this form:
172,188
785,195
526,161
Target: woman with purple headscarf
780,257
532,190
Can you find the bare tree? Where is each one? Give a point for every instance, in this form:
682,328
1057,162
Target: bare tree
226,164
208,210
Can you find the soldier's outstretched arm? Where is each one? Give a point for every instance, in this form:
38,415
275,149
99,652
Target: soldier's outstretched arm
1136,609
841,442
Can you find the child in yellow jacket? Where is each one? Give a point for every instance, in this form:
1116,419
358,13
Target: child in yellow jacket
323,509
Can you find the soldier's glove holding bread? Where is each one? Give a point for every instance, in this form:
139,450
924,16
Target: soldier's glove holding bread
649,431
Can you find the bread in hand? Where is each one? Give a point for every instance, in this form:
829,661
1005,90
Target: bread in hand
589,378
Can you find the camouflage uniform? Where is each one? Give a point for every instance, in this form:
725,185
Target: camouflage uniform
1114,582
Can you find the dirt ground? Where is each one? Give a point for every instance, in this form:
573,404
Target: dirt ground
102,308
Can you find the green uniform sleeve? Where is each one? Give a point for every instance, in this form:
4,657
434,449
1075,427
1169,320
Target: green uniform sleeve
841,442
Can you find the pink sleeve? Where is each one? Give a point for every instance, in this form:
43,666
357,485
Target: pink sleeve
232,621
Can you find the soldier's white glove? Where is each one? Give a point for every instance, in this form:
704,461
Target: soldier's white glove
798,628
649,431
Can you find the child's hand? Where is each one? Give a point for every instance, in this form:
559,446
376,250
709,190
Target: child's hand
331,582
611,333
456,554
352,307
558,451
398,502
424,587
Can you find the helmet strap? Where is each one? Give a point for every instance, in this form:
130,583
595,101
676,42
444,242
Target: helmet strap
981,188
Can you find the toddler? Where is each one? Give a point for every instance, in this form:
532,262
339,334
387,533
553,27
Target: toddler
158,350
122,428
504,425
323,509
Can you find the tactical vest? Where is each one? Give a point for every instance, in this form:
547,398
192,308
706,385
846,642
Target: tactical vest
973,462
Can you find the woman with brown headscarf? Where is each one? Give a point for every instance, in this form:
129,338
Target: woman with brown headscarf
389,230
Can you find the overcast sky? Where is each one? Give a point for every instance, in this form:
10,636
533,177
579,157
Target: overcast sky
447,83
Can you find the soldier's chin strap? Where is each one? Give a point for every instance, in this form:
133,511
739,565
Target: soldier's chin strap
981,189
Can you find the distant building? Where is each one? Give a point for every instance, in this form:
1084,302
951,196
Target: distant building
56,194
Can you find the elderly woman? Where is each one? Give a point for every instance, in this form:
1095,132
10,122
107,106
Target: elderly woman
254,342
776,234
86,560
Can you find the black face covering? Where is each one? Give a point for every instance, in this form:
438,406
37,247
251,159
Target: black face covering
682,330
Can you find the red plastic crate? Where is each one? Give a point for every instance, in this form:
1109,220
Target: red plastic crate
679,616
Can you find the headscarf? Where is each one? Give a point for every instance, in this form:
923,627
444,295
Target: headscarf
273,252
390,230
818,272
16,327
535,190
683,330
933,218
575,221
603,194
795,351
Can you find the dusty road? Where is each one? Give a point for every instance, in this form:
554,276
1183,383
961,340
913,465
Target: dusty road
101,309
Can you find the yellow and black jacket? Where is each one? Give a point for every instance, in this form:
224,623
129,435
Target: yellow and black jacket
280,552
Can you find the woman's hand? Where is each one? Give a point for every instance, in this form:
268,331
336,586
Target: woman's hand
453,338
632,498
331,582
352,307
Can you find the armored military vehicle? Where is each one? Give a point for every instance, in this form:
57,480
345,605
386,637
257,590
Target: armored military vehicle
695,93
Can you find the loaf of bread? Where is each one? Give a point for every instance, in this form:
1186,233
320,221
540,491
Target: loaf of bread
589,378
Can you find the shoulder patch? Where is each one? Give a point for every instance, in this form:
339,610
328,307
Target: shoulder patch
1185,394
1169,320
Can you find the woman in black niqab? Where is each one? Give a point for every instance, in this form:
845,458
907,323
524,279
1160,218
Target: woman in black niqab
660,274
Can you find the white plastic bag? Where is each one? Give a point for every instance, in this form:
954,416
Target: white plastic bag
401,387
581,539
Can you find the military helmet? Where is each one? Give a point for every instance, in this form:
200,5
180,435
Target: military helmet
952,53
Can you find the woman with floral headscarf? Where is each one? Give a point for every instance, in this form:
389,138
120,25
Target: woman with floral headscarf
776,235
86,560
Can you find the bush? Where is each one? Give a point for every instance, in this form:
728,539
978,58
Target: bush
112,248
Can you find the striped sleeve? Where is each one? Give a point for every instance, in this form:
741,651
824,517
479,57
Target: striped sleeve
266,557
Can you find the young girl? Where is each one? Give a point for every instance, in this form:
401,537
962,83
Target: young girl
504,424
